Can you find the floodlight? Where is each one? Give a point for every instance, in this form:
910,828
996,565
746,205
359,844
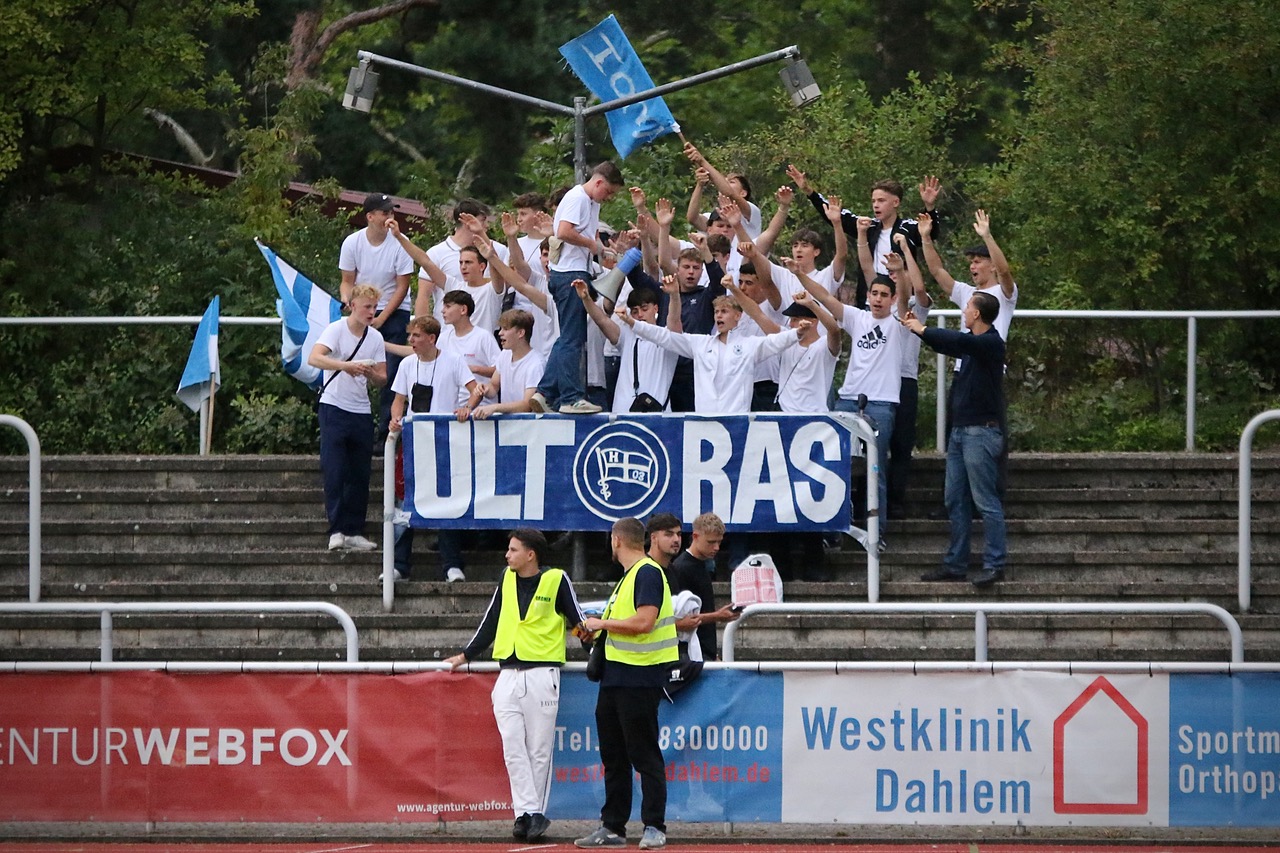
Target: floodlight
361,86
798,80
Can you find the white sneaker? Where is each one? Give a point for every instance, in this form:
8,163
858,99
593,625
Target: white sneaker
582,407
538,403
455,574
358,543
337,541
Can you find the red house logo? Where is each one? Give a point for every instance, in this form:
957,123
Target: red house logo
1118,767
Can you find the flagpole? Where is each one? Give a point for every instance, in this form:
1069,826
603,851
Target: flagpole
206,438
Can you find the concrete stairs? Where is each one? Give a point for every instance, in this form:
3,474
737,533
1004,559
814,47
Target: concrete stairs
1117,528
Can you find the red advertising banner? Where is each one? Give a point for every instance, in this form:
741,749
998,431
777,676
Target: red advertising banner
149,746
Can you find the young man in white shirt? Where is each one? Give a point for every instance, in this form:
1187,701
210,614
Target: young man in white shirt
351,354
724,363
519,367
875,360
468,214
433,381
988,269
477,347
368,257
576,226
645,367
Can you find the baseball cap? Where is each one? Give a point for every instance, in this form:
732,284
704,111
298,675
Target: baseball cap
796,309
378,201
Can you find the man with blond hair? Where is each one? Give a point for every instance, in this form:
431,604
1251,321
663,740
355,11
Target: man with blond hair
693,571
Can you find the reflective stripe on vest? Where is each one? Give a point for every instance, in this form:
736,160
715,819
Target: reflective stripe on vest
656,647
540,635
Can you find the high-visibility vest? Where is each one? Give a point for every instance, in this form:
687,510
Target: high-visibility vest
656,647
539,636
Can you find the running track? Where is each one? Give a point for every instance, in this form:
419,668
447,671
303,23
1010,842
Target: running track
676,846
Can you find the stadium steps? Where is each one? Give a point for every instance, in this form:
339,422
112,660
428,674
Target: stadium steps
1121,528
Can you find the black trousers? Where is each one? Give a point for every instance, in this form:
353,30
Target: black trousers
627,722
902,443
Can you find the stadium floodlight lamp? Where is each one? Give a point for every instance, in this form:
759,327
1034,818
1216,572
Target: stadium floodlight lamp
362,83
798,80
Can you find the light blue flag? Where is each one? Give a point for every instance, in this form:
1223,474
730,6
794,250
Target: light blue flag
605,61
202,375
305,309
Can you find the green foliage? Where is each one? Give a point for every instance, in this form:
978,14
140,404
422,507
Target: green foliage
266,423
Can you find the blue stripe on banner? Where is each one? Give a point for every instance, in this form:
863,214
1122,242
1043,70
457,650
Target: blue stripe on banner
305,309
721,743
758,472
605,61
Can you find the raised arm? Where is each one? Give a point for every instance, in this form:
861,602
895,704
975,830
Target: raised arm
764,271
931,258
750,307
500,273
982,225
835,306
769,236
913,271
824,317
694,213
902,287
721,182
675,317
866,263
511,230
664,214
834,213
595,312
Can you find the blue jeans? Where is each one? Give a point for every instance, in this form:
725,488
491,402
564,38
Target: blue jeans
562,381
346,451
973,466
882,414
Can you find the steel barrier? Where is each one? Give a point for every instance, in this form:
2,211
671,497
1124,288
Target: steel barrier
106,608
33,501
1245,512
981,609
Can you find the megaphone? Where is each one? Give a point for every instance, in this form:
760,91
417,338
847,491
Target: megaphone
609,285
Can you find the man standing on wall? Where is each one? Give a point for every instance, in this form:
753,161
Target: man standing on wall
640,646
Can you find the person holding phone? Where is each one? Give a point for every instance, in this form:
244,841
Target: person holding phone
693,570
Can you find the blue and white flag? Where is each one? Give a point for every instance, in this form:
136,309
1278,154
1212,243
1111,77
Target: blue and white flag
605,61
202,375
305,309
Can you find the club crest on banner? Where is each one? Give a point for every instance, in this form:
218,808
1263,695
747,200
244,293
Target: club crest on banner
621,469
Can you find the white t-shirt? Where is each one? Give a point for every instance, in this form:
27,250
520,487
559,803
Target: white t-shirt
579,210
789,283
347,392
804,377
377,265
723,372
531,248
875,359
477,348
445,255
962,290
911,344
657,366
766,370
487,300
516,377
546,324
447,373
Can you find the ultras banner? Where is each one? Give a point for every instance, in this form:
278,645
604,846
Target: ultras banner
760,472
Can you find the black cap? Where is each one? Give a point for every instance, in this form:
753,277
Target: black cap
798,309
978,251
378,201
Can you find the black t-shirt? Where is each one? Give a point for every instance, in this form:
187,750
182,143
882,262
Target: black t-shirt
687,572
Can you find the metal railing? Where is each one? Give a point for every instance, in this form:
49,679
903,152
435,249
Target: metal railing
1245,511
33,501
105,609
980,611
942,314
1189,392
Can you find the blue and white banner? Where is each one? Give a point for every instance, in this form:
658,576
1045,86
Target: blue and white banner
605,61
305,309
203,374
758,472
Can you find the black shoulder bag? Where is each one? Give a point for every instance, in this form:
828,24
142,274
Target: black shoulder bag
644,401
325,386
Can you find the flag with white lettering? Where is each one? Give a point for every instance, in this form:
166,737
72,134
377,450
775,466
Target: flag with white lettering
605,61
305,310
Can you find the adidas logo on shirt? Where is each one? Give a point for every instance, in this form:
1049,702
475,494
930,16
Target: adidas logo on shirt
872,339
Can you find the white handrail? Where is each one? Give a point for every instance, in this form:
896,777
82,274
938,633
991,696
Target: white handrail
980,608
388,525
1245,510
33,501
106,608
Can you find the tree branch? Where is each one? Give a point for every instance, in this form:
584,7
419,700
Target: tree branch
180,134
306,48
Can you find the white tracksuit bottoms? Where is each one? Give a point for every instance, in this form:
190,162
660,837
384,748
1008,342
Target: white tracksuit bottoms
525,704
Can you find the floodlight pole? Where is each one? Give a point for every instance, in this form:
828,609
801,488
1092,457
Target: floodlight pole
580,112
